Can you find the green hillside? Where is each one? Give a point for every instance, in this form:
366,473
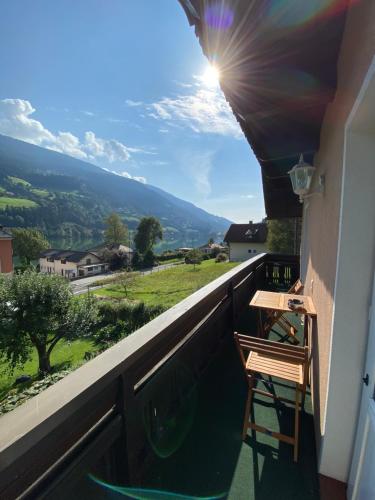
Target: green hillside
68,199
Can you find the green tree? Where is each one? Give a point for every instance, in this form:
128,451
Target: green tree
194,256
148,232
37,311
284,236
28,243
116,231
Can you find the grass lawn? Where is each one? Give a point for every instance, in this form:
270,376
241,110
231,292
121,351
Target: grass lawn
170,286
63,356
16,202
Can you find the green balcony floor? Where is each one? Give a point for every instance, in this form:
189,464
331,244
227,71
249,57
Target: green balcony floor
214,462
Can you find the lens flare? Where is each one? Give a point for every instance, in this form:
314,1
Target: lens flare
149,494
218,16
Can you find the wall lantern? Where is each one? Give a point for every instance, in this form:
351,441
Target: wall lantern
301,176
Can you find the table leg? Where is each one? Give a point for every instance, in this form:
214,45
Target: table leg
306,330
260,324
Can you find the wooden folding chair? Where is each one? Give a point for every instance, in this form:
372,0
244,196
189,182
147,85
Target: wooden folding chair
279,318
287,362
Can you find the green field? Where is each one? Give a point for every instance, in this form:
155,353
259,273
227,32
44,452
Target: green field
17,180
63,356
43,193
16,202
168,287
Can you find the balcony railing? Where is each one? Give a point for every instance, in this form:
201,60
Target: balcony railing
109,416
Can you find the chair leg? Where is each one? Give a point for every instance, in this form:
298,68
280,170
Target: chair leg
296,425
247,410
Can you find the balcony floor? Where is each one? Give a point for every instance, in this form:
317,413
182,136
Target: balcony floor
214,462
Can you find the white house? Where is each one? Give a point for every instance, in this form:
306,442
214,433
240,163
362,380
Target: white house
71,264
246,240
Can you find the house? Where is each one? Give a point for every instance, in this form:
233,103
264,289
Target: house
71,264
117,248
298,82
246,240
6,252
212,248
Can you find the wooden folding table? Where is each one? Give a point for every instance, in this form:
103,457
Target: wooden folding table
276,301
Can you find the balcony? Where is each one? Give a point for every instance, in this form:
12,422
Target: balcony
160,414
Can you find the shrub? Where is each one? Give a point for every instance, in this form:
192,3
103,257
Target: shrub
221,257
137,261
117,320
149,259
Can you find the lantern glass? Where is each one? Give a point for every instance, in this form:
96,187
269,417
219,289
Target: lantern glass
301,176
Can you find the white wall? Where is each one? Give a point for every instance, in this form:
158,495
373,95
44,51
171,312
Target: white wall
352,295
240,251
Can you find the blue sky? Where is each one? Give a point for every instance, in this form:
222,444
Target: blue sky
120,83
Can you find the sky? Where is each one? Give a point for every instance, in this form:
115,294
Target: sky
124,84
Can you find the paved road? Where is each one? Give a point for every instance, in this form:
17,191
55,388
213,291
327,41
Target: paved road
81,285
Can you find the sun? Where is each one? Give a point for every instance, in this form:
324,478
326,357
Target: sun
211,76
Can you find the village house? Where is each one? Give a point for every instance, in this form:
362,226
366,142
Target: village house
246,240
71,264
6,252
212,248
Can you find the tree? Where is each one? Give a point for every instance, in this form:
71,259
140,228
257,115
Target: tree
148,232
284,236
38,310
28,243
116,231
117,258
194,256
126,281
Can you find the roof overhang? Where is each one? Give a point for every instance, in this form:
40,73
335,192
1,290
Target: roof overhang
278,66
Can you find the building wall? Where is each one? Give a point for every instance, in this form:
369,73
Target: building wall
322,214
244,251
70,269
6,256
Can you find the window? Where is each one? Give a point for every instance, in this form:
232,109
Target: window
89,269
63,261
250,251
88,262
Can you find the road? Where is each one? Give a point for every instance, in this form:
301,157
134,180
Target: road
83,284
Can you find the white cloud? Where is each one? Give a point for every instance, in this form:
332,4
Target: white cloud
204,111
198,166
248,196
163,130
140,179
125,174
16,121
133,104
88,113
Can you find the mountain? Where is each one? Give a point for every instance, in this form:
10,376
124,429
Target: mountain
68,198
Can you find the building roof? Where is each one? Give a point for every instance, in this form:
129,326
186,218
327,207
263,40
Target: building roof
69,255
4,235
114,246
278,66
247,233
